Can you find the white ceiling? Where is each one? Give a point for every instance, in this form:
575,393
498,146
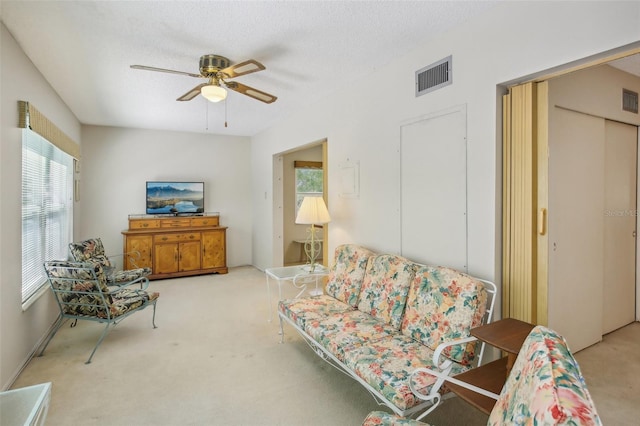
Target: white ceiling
310,49
630,64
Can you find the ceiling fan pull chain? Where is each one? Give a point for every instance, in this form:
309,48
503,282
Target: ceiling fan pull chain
225,112
207,115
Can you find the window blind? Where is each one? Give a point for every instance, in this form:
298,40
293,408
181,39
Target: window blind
47,208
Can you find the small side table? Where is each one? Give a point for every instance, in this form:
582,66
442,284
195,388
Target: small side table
300,277
508,335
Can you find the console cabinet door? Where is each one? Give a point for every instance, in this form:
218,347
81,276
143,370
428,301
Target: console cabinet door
141,244
189,257
165,258
213,249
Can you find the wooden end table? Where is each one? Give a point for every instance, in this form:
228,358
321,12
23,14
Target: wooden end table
508,335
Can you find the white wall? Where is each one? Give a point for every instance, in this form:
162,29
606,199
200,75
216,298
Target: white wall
20,331
513,40
116,164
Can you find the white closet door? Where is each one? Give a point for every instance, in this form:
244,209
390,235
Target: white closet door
576,226
434,189
619,284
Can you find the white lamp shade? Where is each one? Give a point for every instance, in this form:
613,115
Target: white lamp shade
313,211
213,93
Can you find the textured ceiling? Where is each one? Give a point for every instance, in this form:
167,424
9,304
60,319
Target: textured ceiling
630,64
310,49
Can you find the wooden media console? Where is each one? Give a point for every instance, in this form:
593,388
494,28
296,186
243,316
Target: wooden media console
177,246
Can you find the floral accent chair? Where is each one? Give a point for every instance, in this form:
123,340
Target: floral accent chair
545,387
82,293
92,250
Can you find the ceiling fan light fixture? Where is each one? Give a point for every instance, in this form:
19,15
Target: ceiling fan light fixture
213,93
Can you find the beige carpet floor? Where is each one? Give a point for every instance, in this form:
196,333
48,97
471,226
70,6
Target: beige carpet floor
215,359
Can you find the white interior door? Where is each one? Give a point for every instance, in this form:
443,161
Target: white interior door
619,287
434,216
576,226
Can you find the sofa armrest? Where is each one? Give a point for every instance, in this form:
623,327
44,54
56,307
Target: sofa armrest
442,346
442,373
446,378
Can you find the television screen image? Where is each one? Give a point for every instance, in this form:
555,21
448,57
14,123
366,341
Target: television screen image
175,197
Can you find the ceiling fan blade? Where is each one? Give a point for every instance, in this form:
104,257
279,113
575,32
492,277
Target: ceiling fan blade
146,68
250,91
192,93
243,68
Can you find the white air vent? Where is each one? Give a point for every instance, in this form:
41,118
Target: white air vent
434,76
629,101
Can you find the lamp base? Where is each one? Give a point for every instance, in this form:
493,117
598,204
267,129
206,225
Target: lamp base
309,268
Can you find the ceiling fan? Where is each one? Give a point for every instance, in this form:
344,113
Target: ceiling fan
218,69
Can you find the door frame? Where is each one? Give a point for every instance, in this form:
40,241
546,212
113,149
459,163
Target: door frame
534,272
278,201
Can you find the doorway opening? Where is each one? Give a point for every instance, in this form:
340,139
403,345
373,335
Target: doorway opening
298,173
570,89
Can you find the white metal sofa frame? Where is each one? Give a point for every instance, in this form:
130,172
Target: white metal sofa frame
82,294
433,399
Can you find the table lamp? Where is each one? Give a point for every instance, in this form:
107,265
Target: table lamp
312,212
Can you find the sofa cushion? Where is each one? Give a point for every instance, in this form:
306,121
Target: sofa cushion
545,386
347,330
385,287
346,274
311,308
382,418
444,304
387,364
126,300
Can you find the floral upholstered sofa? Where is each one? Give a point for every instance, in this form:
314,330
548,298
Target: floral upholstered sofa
382,317
545,387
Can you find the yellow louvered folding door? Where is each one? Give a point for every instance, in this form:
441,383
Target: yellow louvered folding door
524,205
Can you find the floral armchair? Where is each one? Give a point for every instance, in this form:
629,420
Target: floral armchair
544,387
92,250
82,293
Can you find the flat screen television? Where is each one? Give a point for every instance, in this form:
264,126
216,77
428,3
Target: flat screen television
175,198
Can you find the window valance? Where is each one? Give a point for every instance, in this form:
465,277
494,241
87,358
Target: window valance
30,118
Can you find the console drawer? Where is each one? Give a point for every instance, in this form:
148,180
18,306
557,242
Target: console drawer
175,223
144,224
205,221
176,238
